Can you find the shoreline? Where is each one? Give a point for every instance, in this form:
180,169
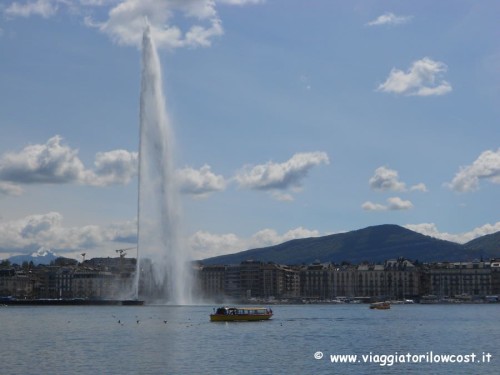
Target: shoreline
69,302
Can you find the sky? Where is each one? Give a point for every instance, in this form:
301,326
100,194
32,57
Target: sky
292,119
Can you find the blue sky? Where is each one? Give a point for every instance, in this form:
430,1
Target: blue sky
292,119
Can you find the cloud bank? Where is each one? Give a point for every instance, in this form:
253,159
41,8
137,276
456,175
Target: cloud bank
126,21
126,18
431,229
47,231
205,244
57,163
43,8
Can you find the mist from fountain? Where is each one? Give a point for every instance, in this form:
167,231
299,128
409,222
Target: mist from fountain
163,273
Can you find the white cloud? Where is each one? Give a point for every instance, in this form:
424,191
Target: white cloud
199,182
281,176
386,179
397,204
57,163
47,231
283,197
485,167
96,2
35,225
419,187
204,244
370,206
389,18
126,22
430,229
48,163
424,78
240,2
393,204
44,8
269,237
8,188
114,167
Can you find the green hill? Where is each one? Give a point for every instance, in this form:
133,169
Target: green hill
489,244
373,244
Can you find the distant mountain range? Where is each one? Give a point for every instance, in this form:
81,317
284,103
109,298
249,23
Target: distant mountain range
41,256
372,244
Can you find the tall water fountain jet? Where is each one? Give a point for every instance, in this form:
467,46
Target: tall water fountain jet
163,269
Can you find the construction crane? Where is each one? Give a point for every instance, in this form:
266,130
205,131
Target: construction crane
123,253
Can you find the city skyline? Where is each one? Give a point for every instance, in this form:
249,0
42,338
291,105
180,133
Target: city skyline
291,120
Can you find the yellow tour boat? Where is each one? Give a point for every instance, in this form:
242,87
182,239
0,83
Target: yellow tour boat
380,305
237,314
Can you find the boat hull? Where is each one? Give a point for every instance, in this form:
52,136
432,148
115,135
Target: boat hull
380,306
239,318
241,314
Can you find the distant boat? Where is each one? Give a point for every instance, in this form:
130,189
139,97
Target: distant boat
237,314
380,305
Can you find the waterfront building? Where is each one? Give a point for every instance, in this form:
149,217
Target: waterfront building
95,284
370,280
495,277
458,279
249,279
66,281
232,282
46,282
402,279
212,280
279,281
14,283
344,282
316,281
396,279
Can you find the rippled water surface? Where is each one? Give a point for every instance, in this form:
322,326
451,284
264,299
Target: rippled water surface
136,340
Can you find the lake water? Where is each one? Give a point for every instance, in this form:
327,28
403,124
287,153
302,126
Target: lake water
109,340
